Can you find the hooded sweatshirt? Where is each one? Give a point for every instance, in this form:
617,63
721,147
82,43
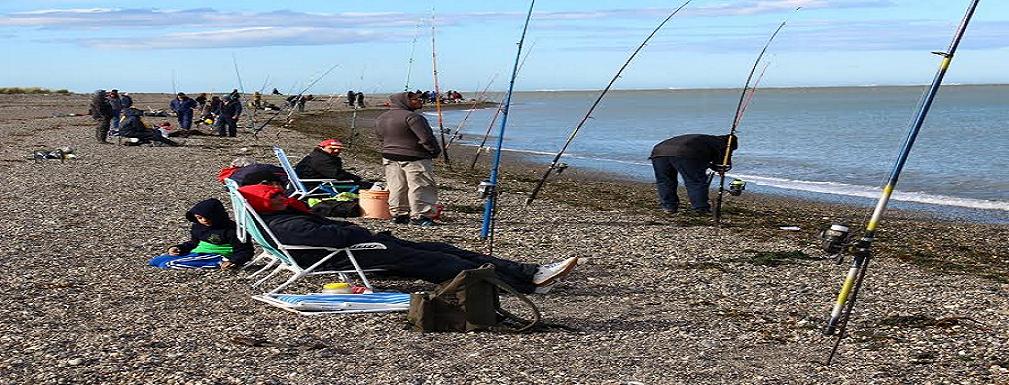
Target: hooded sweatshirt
319,164
100,107
296,225
404,133
218,238
695,146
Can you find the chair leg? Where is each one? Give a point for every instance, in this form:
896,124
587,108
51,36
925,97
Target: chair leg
268,276
360,272
294,277
263,269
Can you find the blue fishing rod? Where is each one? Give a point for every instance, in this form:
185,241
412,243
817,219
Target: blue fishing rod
556,165
836,239
488,188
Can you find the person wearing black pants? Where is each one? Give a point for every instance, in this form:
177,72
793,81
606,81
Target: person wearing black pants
291,222
689,156
231,110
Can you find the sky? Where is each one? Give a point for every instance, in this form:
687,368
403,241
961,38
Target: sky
185,45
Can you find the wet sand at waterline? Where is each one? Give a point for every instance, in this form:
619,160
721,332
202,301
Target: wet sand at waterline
657,300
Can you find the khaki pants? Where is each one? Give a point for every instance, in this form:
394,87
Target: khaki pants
412,189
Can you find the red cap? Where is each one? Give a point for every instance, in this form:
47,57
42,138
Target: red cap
331,142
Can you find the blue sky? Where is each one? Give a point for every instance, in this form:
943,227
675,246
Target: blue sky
139,45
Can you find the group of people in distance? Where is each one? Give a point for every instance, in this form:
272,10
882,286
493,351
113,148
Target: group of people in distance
408,147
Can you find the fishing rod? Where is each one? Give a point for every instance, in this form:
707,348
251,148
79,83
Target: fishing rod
175,91
437,95
413,51
555,165
497,111
488,188
836,239
479,99
241,86
309,86
730,142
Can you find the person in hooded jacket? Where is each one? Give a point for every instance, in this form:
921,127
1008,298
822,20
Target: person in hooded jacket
183,107
101,111
689,156
324,162
213,241
117,108
292,223
408,147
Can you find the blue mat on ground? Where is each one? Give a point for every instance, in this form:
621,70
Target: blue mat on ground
339,303
186,261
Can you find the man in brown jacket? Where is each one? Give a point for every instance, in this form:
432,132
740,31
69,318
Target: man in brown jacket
408,147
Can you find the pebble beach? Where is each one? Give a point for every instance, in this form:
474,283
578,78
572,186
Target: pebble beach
655,299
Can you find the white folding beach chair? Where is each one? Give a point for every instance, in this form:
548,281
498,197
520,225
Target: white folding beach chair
322,187
278,255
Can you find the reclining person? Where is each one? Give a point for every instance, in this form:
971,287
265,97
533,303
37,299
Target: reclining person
291,222
324,162
213,241
133,127
246,171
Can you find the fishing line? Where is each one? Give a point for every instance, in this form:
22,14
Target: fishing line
437,94
488,188
493,119
555,165
737,118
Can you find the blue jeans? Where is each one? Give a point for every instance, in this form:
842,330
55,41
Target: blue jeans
695,179
115,119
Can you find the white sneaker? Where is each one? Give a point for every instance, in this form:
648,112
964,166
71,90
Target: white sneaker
551,272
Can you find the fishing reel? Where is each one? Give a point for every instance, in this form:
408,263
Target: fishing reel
485,189
559,168
835,239
736,187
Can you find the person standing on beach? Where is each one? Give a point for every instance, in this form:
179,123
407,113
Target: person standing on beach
689,156
227,121
101,112
408,147
183,107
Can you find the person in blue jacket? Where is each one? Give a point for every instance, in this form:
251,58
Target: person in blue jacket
213,241
117,108
183,107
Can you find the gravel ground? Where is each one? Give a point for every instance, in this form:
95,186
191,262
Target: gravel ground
656,301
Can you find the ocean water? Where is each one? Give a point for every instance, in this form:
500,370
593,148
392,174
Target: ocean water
832,144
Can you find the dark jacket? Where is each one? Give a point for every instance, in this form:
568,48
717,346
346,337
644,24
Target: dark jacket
405,134
183,107
220,232
100,107
319,164
254,173
695,146
231,108
293,227
126,101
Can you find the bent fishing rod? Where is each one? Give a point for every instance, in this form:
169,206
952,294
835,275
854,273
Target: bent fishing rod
479,99
488,188
437,95
836,239
255,133
555,165
737,117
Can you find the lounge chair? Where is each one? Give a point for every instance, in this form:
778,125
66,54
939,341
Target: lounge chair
316,303
278,255
322,187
